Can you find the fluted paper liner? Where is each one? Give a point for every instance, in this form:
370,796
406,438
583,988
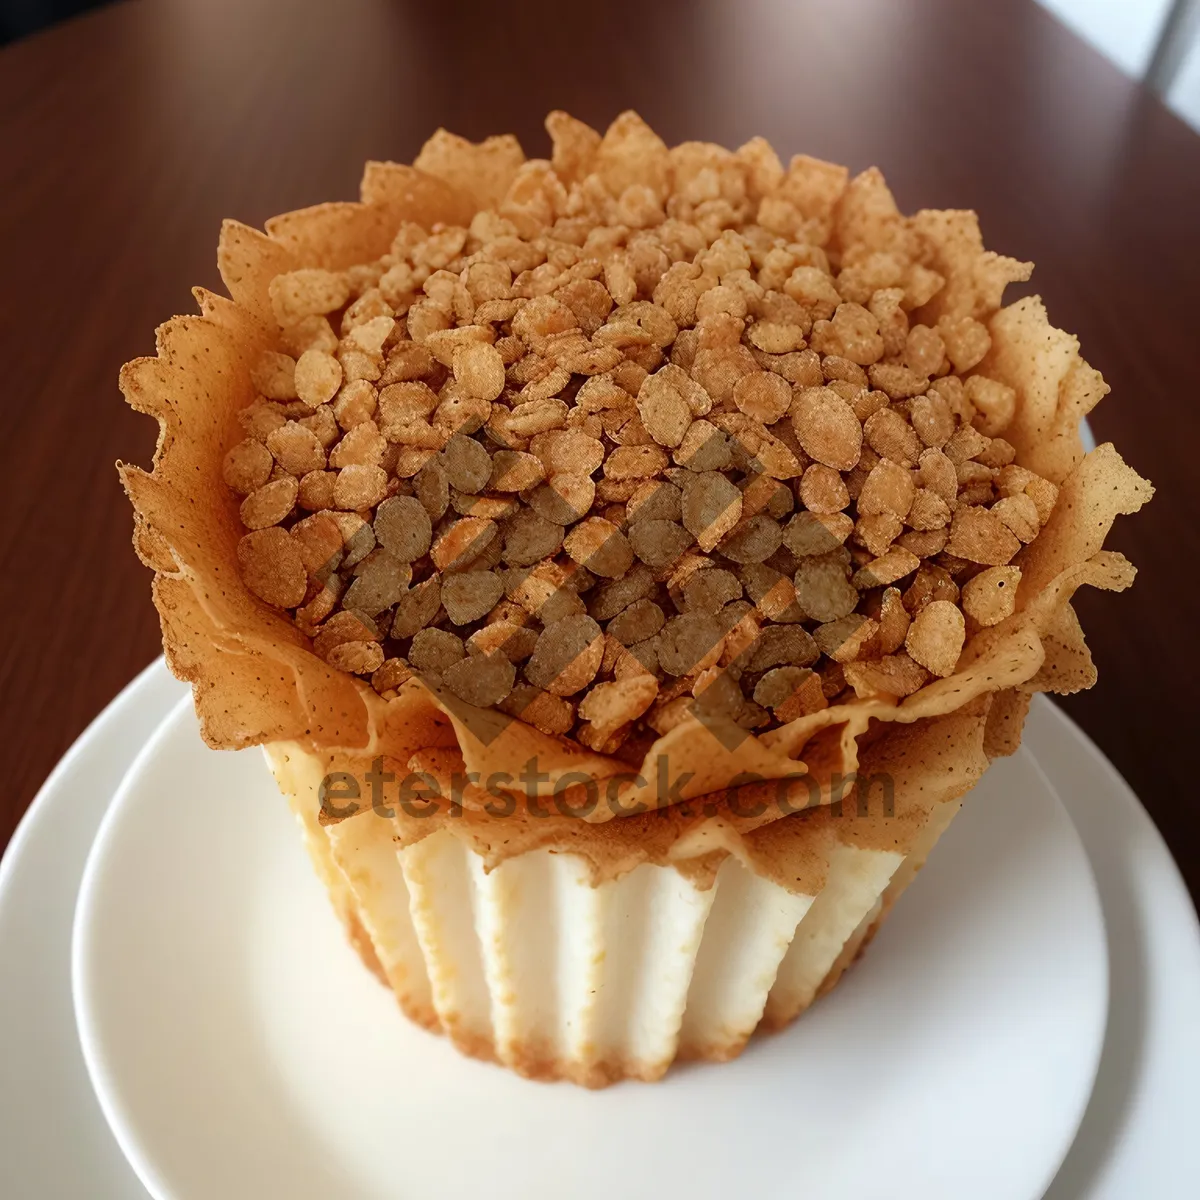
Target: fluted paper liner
256,679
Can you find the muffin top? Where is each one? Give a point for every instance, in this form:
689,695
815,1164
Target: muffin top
658,432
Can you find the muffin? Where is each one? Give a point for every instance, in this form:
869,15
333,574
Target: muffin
627,562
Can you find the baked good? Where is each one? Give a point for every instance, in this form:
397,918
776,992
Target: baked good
628,561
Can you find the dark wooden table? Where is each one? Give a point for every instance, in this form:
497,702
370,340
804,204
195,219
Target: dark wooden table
127,135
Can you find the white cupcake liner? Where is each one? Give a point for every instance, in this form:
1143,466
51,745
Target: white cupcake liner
532,966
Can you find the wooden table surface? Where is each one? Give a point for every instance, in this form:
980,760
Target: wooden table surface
127,135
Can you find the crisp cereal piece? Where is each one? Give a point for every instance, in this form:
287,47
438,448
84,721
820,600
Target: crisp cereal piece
967,341
991,596
891,436
610,705
853,333
772,592
999,453
704,448
515,471
924,351
995,404
466,464
711,508
848,638
935,471
1020,514
568,452
710,589
271,567
482,679
813,288
932,582
358,537
359,487
609,599
900,383
529,538
358,658
823,490
753,540
322,424
928,510
635,463
664,408
887,568
889,489
823,591
689,642
470,595
932,419
810,533
459,413
564,499
763,395
259,418
827,428
274,375
318,376
776,337
305,293
364,445
402,527
877,531
406,361
515,642
309,333
764,493
966,443
641,620
1044,495
319,540
935,638
893,621
296,449
567,656
655,500
778,687
549,713
269,504
924,543
893,675
342,627
431,486
781,645
462,543
433,651
980,536
545,591
658,543
380,580
409,460
479,368
491,508
247,466
417,608
390,676
600,546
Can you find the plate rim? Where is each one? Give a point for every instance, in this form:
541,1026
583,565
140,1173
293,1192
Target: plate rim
141,1159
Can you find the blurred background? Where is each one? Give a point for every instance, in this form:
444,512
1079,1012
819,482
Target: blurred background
1155,41
129,131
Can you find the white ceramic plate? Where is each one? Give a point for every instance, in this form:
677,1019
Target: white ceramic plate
240,1050
54,1144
